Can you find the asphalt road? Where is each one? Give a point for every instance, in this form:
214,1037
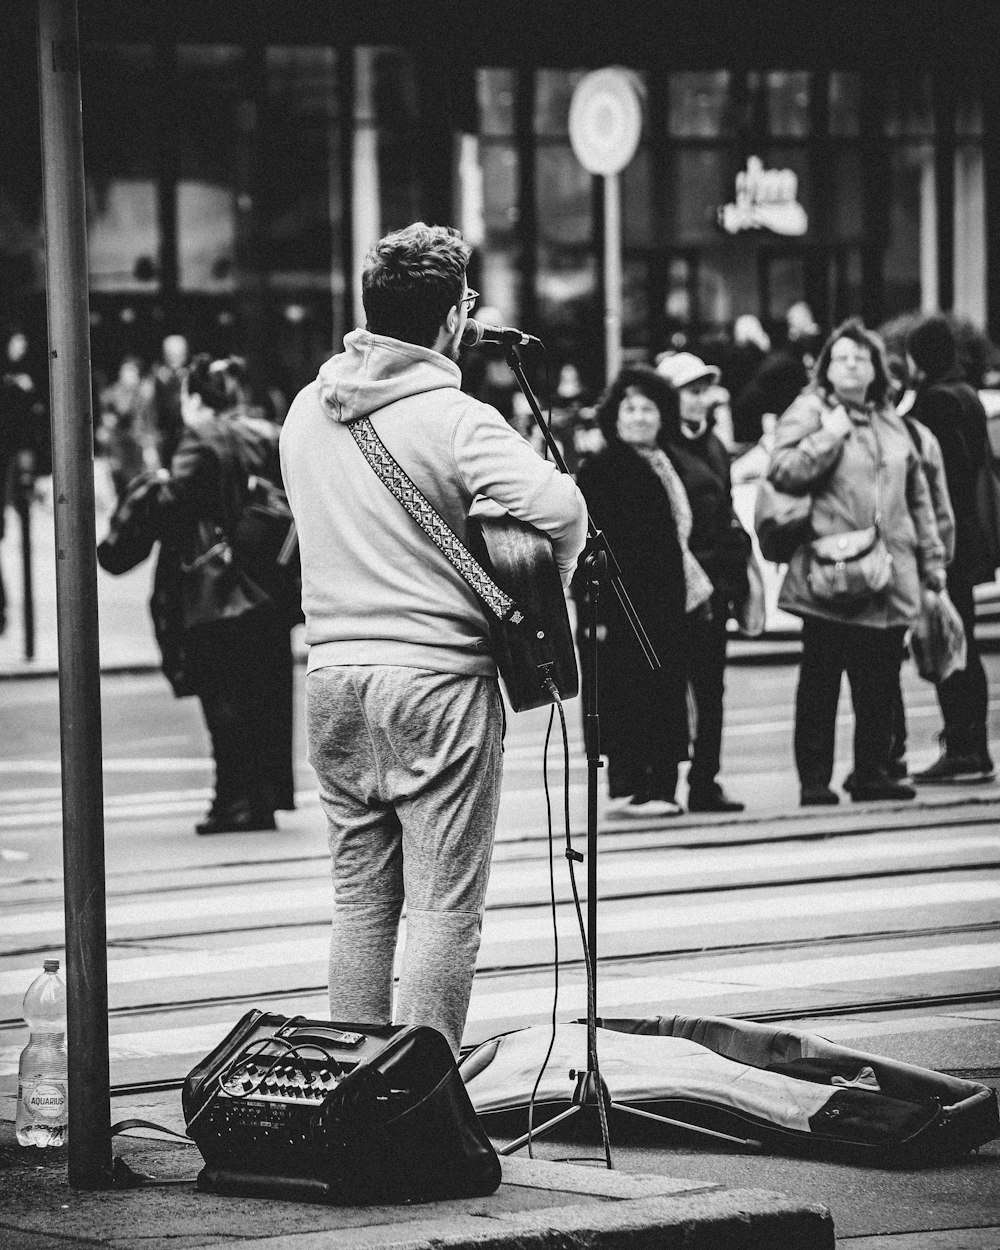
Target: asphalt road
874,924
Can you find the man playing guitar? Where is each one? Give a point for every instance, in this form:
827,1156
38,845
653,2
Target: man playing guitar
404,713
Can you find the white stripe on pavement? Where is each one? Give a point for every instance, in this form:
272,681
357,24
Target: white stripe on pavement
757,858
288,903
617,993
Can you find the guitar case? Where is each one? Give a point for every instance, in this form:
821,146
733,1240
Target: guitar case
785,1089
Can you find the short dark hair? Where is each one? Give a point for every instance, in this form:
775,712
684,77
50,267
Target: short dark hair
933,346
882,386
410,280
654,386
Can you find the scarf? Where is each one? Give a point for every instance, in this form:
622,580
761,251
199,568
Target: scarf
698,588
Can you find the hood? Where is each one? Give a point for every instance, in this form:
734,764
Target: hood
374,370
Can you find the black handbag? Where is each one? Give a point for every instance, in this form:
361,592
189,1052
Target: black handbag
214,586
339,1113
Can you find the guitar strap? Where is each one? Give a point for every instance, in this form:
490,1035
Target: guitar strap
398,482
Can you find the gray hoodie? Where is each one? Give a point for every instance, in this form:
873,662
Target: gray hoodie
375,590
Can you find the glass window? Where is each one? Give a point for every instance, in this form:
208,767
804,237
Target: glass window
500,273
845,104
699,105
395,98
969,113
677,305
911,249
970,232
788,104
495,94
637,202
701,182
301,194
207,101
909,107
553,92
118,86
845,215
563,196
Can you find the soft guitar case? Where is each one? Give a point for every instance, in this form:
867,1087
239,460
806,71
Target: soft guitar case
339,1113
784,1088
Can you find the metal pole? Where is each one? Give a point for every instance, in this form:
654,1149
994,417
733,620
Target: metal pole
23,508
76,595
612,276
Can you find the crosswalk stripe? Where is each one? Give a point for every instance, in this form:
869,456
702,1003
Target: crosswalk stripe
617,992
757,859
288,904
312,950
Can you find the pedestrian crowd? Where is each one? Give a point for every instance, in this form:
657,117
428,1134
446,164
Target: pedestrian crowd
889,451
878,498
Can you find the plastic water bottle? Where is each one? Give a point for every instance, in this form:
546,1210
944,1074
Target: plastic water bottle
42,1086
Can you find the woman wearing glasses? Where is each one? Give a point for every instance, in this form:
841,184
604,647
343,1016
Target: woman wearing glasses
856,583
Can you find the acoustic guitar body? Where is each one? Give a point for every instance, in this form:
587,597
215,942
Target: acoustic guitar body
520,560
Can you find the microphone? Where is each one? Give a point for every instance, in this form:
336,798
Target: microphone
475,333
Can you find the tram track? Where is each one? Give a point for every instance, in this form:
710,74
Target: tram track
882,1006
502,972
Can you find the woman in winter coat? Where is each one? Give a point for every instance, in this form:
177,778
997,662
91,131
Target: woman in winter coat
636,497
843,443
240,666
721,546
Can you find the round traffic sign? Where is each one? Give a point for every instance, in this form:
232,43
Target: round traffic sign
605,120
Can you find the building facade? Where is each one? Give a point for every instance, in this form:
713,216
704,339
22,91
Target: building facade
240,162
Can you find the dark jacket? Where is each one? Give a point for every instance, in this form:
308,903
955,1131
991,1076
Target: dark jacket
641,711
718,541
207,480
954,414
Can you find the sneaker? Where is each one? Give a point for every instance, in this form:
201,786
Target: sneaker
818,796
712,799
955,769
642,806
883,787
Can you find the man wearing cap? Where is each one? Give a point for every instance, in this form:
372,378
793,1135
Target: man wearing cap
721,546
949,407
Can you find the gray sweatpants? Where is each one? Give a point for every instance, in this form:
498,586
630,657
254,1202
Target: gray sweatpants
409,764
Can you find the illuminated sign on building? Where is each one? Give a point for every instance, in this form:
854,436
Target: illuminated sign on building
765,200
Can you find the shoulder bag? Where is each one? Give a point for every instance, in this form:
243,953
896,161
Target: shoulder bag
852,567
780,521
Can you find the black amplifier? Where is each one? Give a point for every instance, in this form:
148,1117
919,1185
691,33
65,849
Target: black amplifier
344,1113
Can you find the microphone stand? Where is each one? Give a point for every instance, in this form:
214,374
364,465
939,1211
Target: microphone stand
590,1091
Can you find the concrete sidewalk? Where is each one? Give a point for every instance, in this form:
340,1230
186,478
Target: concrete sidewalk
543,1205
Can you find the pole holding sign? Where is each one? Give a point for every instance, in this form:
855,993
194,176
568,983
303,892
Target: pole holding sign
605,125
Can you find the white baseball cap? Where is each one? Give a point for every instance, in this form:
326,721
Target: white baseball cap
683,368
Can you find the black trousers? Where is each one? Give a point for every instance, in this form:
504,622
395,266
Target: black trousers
870,657
243,672
964,697
707,679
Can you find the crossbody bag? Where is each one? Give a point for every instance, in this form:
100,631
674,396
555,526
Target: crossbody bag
852,567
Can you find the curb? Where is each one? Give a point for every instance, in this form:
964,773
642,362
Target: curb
540,1205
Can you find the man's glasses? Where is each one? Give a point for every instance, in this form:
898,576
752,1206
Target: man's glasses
468,299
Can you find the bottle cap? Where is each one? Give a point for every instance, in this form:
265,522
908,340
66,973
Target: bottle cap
51,965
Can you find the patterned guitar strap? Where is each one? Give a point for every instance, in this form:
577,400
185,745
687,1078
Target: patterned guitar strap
396,480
